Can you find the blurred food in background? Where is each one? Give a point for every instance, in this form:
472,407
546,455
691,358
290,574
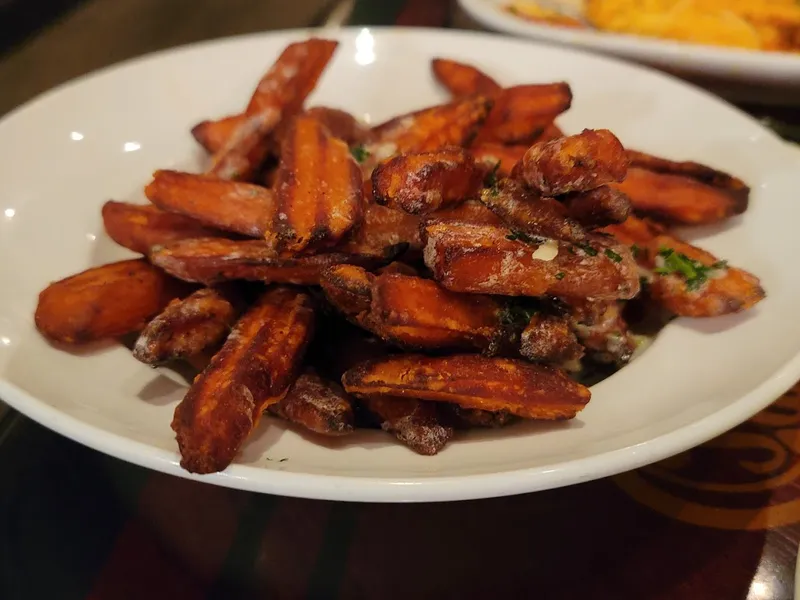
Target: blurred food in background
770,25
532,11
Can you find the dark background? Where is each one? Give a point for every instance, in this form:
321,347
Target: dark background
21,18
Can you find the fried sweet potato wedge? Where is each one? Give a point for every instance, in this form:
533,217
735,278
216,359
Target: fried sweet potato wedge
468,418
693,170
422,183
293,76
317,405
575,163
428,130
418,313
492,260
279,95
242,208
498,157
340,123
381,230
469,211
599,207
551,132
524,389
634,231
189,326
462,79
399,268
682,199
104,302
317,192
521,113
212,135
602,330
416,423
248,146
687,280
730,290
214,260
524,210
412,312
254,369
549,338
139,227
348,288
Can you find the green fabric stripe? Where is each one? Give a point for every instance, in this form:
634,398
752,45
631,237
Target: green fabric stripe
375,12
236,578
326,579
59,517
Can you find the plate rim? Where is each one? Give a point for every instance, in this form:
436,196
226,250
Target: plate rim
414,489
336,32
776,66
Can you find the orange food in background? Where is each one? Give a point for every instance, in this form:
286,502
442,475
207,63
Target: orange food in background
771,25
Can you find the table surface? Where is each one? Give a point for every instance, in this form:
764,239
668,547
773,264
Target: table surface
721,521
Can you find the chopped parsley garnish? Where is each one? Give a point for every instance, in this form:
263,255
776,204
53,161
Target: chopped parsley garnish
517,314
521,236
588,249
491,177
360,153
635,251
560,275
694,272
613,255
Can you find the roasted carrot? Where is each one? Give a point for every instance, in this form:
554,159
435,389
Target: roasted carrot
104,302
232,206
254,369
139,227
279,95
214,260
575,163
462,79
318,190
189,326
496,384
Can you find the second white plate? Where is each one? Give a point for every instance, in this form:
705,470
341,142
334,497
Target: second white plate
722,64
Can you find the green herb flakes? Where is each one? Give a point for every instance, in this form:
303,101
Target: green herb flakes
695,273
587,249
491,177
521,236
515,314
360,153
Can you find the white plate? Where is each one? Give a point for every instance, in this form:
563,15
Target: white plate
101,137
724,64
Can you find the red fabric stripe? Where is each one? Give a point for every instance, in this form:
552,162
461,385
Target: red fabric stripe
290,547
138,567
178,540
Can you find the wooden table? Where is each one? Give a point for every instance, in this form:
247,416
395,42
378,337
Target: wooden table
720,522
